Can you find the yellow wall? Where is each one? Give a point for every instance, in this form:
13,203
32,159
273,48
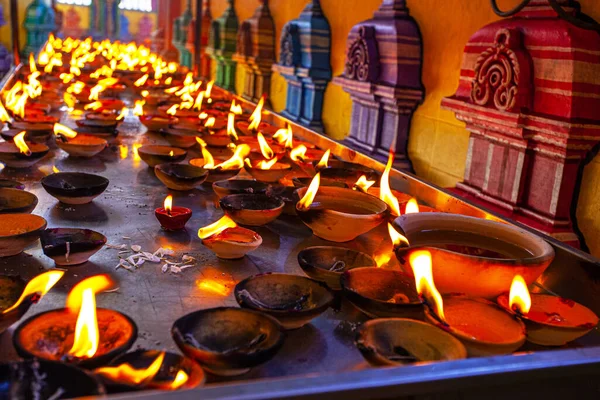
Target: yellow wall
438,142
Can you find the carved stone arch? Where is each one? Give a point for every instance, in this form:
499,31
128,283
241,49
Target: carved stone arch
289,54
503,74
362,59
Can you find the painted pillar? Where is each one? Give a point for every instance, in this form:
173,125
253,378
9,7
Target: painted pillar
203,58
105,19
222,46
39,23
305,65
256,52
383,77
528,93
182,30
162,40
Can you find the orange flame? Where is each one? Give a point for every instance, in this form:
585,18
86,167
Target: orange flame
67,132
83,297
382,259
32,66
412,206
141,81
169,80
93,106
41,284
172,90
168,204
216,227
189,79
145,93
210,122
231,127
362,184
69,100
136,155
198,101
138,108
180,379
19,141
323,163
519,297
209,161
289,140
256,116
282,134
236,108
209,87
420,262
19,108
123,151
127,374
385,193
397,237
299,153
171,154
266,151
55,170
311,193
4,117
237,159
173,109
265,165
122,114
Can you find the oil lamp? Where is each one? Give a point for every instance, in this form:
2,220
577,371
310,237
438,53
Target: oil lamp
80,333
157,122
180,177
482,326
270,171
239,186
20,154
13,201
78,145
215,134
550,320
252,209
337,214
224,170
254,123
16,296
71,246
227,240
18,231
172,218
74,187
154,155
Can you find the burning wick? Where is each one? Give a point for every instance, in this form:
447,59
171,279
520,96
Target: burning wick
127,374
266,151
519,297
171,153
61,130
38,286
256,116
362,184
168,204
236,108
398,239
412,206
310,194
216,227
385,193
420,262
324,160
19,141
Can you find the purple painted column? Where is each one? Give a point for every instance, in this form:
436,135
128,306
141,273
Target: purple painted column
383,77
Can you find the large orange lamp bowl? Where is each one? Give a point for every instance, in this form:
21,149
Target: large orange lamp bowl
473,256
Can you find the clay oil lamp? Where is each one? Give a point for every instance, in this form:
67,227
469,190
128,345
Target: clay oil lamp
154,155
212,125
176,110
16,296
483,327
172,218
223,170
270,171
328,263
74,187
399,341
466,247
220,138
382,293
18,231
46,380
33,136
227,240
182,138
78,145
151,370
252,209
157,122
13,201
98,125
254,124
79,334
239,186
71,246
288,195
339,215
180,177
21,155
305,182
228,341
343,171
9,183
550,320
293,300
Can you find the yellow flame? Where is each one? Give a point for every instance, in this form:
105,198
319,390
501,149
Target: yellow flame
173,109
323,163
266,151
141,81
41,284
55,170
216,227
168,204
123,151
363,184
138,109
96,105
385,193
19,141
214,287
382,259
19,108
122,114
171,154
172,90
281,135
209,87
189,79
209,161
145,93
198,101
180,379
412,206
4,117
210,122
311,193
231,127
98,283
266,164
125,373
87,336
256,116
519,297
236,108
169,80
69,100
136,155
237,159
397,237
32,66
420,262
299,153
67,132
